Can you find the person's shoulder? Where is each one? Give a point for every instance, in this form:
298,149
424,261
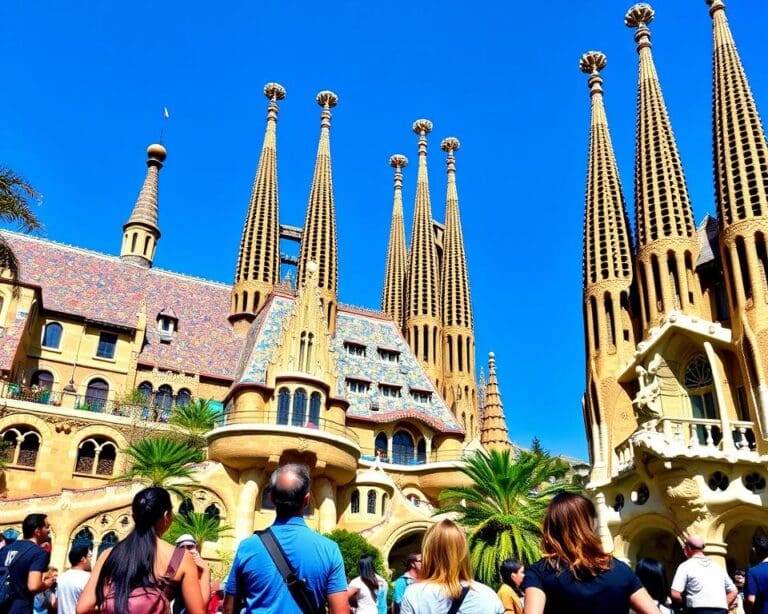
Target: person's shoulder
484,589
620,567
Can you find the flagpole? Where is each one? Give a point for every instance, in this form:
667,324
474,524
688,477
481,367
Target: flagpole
166,116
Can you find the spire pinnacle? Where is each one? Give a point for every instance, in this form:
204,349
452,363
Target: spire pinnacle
393,296
494,433
319,239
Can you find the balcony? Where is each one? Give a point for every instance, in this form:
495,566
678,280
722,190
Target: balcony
405,459
244,439
30,394
689,437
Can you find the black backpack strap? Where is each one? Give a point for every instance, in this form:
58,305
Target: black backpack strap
457,604
297,587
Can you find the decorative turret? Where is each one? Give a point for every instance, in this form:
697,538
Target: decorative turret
493,433
667,245
607,281
422,313
258,263
393,296
458,327
141,232
318,242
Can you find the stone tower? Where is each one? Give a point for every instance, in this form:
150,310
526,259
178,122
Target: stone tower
493,433
423,329
318,243
458,327
141,232
607,282
393,296
667,244
258,262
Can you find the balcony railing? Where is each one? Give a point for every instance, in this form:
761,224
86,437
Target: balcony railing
412,457
31,394
280,419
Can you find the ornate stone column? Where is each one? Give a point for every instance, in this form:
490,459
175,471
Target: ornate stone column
246,503
325,495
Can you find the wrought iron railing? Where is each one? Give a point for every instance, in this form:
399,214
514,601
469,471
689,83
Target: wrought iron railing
31,394
287,421
412,457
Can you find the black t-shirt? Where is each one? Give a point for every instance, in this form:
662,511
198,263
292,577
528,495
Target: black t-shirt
21,557
606,593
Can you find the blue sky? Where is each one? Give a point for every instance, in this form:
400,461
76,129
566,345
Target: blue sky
86,83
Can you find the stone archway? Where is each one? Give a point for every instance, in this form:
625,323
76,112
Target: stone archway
402,542
659,544
738,542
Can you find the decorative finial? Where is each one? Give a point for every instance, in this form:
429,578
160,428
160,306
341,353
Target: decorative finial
422,127
156,154
398,161
491,362
327,99
715,5
311,269
639,15
274,91
592,62
450,144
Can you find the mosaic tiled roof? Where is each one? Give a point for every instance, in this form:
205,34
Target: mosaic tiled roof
105,289
373,333
708,236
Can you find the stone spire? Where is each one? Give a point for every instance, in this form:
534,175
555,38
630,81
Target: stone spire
422,312
141,232
258,263
607,276
458,326
393,296
667,244
493,434
318,242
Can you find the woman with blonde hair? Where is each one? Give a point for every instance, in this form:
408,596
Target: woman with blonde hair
445,582
576,575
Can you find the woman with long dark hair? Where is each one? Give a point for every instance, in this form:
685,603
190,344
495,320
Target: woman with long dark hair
576,575
654,578
142,573
512,574
368,591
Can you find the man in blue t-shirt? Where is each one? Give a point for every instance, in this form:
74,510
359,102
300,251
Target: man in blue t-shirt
255,581
412,568
756,589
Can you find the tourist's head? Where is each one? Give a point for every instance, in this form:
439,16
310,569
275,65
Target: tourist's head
152,509
760,544
366,565
740,578
654,578
694,545
413,562
289,489
568,536
80,556
445,557
36,527
512,573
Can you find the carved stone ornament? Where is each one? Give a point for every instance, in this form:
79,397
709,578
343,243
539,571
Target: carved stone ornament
648,399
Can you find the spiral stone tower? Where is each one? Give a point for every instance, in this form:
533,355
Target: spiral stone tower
395,274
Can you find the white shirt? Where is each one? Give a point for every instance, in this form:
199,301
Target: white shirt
70,584
705,583
428,598
366,603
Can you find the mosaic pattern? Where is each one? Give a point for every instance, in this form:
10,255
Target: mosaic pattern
106,289
263,338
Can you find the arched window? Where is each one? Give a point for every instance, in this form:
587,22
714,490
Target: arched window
86,457
21,445
421,451
164,398
283,405
105,465
183,398
402,448
108,541
698,381
381,446
354,502
384,498
42,379
213,512
299,407
145,388
371,507
186,507
83,537
52,335
314,409
96,394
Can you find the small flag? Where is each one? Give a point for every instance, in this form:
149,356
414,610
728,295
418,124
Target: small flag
166,113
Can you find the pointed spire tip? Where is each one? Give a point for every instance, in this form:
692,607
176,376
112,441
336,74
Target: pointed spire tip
450,144
156,153
592,62
398,161
274,91
327,99
422,127
639,15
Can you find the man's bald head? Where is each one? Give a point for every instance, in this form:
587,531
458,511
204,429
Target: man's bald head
695,543
288,488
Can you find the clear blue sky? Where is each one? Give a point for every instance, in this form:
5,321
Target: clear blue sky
85,84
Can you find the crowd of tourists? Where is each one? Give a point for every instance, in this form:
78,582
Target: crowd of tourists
289,568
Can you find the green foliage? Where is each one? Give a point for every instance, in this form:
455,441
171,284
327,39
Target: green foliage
194,420
353,546
202,527
504,507
134,397
16,195
161,461
537,448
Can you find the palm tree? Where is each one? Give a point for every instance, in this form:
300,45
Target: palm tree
201,526
15,208
195,419
503,510
161,461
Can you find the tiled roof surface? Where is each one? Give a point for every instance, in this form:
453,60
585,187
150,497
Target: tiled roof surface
103,288
708,235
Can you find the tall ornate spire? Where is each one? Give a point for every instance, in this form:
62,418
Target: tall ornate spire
393,296
422,314
667,243
493,434
318,243
458,327
258,263
607,281
141,232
